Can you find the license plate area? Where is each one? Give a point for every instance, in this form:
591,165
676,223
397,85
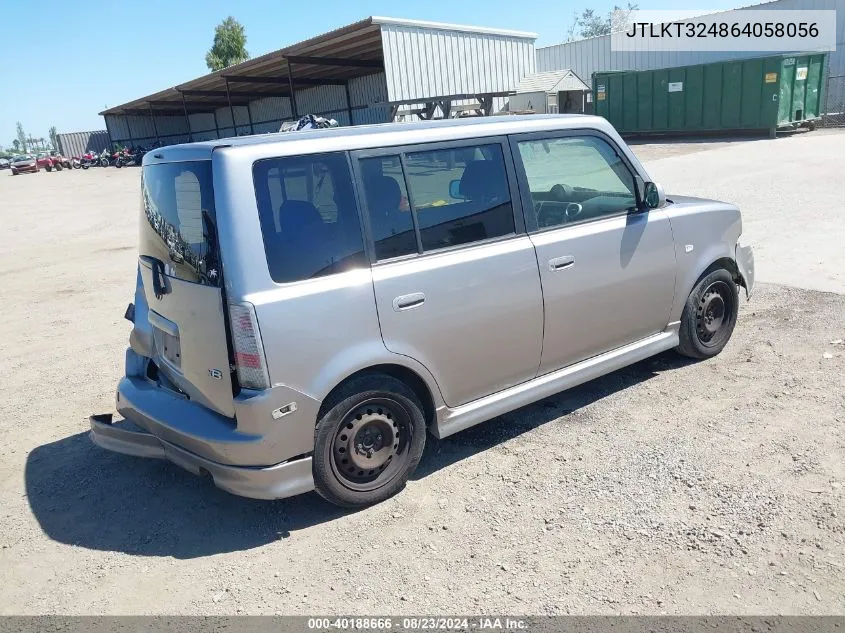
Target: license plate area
168,348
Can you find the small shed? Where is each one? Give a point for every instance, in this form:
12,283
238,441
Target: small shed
553,92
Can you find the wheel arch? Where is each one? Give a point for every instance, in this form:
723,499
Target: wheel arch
717,257
404,374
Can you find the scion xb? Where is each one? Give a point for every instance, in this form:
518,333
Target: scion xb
309,305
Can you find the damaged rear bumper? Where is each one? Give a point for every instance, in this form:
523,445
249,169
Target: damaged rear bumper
258,482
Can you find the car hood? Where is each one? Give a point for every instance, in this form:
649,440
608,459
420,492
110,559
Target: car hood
691,200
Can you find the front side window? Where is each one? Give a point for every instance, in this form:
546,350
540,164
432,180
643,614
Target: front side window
576,179
441,198
309,219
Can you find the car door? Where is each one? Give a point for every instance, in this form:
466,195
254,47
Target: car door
607,265
454,274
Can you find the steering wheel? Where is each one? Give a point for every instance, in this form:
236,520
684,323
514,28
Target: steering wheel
562,193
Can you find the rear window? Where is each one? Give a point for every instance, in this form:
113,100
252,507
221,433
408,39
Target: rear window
178,220
309,218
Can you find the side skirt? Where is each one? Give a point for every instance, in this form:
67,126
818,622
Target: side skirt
453,420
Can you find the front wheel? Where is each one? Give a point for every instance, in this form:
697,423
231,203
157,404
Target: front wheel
709,316
368,441
49,168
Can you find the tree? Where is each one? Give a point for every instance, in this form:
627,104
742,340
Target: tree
228,47
591,24
21,136
17,145
54,137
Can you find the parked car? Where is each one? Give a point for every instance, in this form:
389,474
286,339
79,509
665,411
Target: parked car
24,164
535,254
5,163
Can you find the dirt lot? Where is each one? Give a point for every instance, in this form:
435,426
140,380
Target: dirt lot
714,487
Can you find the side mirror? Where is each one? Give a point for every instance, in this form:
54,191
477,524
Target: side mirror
455,190
653,195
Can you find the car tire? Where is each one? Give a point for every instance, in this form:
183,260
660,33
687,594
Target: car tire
709,316
368,441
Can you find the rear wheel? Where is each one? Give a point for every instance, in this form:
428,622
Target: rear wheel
368,441
49,168
59,166
709,316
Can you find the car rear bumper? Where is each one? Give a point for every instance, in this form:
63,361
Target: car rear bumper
272,482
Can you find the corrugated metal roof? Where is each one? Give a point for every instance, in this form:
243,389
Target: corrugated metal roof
552,81
422,62
445,26
425,59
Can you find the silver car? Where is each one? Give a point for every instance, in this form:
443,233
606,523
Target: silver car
307,305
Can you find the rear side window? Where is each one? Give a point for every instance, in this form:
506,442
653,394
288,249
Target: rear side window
309,219
441,198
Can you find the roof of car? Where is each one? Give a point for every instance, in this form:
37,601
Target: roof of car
382,135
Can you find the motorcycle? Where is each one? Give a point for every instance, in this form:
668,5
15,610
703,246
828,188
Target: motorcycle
89,159
129,157
76,162
105,158
120,158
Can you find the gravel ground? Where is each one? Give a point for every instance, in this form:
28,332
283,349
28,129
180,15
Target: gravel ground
670,486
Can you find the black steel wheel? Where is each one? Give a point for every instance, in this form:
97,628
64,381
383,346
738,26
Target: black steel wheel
709,316
368,441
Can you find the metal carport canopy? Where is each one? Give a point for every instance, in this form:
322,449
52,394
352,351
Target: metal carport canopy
329,59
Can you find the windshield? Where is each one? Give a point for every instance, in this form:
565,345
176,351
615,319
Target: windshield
177,220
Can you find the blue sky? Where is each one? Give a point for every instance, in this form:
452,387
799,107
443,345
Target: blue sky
66,61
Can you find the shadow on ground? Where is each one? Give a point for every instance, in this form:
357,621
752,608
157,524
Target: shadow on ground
85,496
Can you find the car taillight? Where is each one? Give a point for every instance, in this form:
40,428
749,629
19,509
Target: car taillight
246,341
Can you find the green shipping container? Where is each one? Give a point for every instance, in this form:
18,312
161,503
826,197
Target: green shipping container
764,93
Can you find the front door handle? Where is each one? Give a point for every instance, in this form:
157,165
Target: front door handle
559,263
406,302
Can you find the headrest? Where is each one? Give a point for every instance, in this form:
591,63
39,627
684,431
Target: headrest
484,180
383,193
298,214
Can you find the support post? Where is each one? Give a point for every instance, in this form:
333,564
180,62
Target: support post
293,108
231,109
187,119
108,130
249,116
153,119
128,131
216,127
348,103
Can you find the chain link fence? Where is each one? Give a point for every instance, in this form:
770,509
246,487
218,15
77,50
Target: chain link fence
834,111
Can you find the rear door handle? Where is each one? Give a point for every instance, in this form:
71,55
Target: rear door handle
406,302
559,263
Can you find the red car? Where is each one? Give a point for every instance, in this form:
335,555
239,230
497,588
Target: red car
23,164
